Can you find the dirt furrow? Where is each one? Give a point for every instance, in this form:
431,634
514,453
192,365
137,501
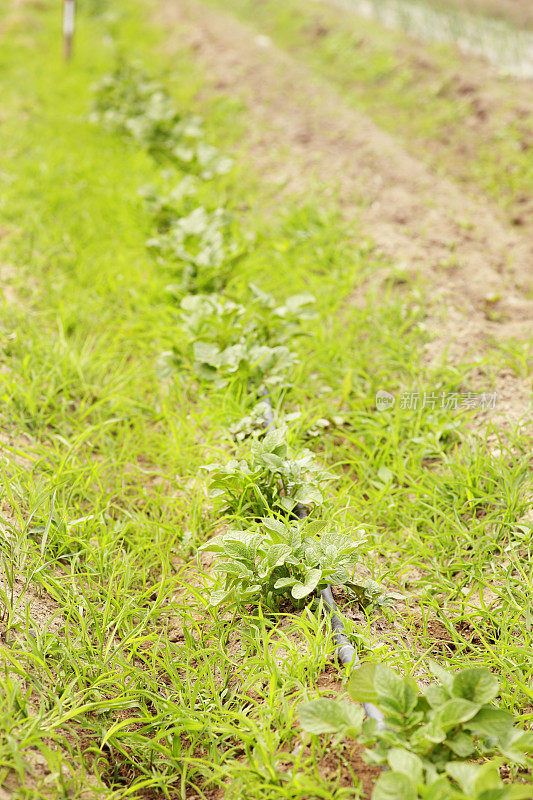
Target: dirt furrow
301,135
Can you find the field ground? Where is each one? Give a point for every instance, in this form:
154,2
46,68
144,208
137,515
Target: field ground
393,182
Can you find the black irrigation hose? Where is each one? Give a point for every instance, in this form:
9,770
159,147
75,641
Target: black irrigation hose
269,411
346,652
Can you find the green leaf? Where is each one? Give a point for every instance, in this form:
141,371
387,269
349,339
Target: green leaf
287,503
476,685
251,591
454,712
441,789
432,732
444,677
394,786
488,777
401,760
315,527
308,494
236,549
277,554
394,694
462,744
520,792
215,545
234,568
477,780
312,578
275,526
491,723
516,744
331,716
281,583
272,461
274,438
385,475
464,774
218,597
361,684
207,353
436,696
523,741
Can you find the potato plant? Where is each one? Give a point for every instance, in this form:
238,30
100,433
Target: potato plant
130,102
280,559
198,248
272,479
428,736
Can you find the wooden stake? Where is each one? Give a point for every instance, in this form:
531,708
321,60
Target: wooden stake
68,28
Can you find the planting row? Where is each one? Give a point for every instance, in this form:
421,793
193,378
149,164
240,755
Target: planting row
246,346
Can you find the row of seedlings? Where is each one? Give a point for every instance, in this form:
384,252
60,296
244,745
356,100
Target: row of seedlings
446,742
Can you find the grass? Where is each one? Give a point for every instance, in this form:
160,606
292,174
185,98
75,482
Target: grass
103,503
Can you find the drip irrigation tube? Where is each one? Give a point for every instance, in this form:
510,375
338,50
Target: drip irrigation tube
346,652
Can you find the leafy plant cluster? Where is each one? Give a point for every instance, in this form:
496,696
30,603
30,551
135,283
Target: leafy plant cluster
198,243
216,319
276,558
255,423
426,737
226,340
272,478
131,102
195,242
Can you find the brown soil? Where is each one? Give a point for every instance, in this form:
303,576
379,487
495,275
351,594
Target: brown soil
340,765
414,216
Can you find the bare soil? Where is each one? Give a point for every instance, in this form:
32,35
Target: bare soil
302,138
